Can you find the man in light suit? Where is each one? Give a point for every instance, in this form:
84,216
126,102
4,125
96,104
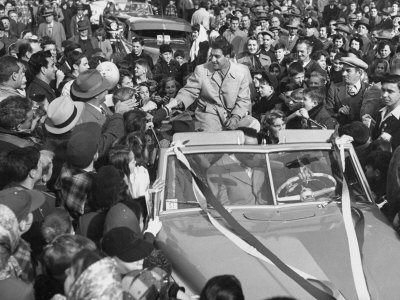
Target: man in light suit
222,91
52,29
240,178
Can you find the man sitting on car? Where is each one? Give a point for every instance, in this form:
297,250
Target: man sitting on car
221,89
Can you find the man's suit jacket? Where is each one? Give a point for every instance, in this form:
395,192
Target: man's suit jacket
57,35
91,114
338,97
289,44
231,185
231,94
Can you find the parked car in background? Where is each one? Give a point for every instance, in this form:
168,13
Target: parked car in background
157,30
294,206
125,9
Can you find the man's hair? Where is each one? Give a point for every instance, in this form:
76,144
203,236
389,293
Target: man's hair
8,66
317,54
295,68
58,255
75,58
246,15
138,40
23,49
223,45
338,36
321,77
71,47
203,4
13,111
305,42
39,60
389,78
234,18
279,45
20,162
317,94
379,160
47,41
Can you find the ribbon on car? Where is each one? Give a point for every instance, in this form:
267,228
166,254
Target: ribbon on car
355,256
248,242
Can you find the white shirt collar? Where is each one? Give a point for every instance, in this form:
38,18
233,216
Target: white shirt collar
357,85
395,113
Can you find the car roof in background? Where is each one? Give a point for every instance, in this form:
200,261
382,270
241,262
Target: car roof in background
159,22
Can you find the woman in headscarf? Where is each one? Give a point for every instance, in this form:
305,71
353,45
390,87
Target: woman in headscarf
253,58
200,45
92,276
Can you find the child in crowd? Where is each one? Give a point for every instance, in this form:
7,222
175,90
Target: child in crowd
314,114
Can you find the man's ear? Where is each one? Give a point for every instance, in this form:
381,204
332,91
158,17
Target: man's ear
75,67
96,156
32,173
14,76
43,70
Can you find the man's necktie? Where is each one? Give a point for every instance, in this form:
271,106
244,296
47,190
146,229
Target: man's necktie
49,31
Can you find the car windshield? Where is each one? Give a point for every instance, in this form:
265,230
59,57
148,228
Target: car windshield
138,8
275,178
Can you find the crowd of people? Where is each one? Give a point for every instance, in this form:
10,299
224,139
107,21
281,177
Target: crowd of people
81,127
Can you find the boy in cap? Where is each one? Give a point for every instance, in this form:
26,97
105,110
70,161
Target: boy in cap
23,203
166,66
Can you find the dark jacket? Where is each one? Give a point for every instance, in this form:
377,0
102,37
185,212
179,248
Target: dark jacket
131,58
39,87
163,70
390,125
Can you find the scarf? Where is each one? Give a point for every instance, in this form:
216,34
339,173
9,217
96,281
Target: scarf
194,50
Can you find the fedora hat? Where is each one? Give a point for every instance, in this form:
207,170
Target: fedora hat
89,84
83,25
293,24
343,28
48,12
384,35
63,114
364,21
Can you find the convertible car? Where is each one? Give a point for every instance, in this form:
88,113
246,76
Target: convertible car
285,219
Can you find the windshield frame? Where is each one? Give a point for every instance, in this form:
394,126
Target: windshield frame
261,149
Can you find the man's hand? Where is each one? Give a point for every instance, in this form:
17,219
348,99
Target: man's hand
345,110
154,226
172,104
149,106
302,112
232,123
366,119
122,107
59,77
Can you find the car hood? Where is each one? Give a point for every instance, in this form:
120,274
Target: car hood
310,238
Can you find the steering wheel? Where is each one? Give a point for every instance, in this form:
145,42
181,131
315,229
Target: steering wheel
288,184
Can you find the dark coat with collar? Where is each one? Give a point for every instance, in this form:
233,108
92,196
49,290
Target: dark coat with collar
91,114
39,87
163,70
338,97
390,125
